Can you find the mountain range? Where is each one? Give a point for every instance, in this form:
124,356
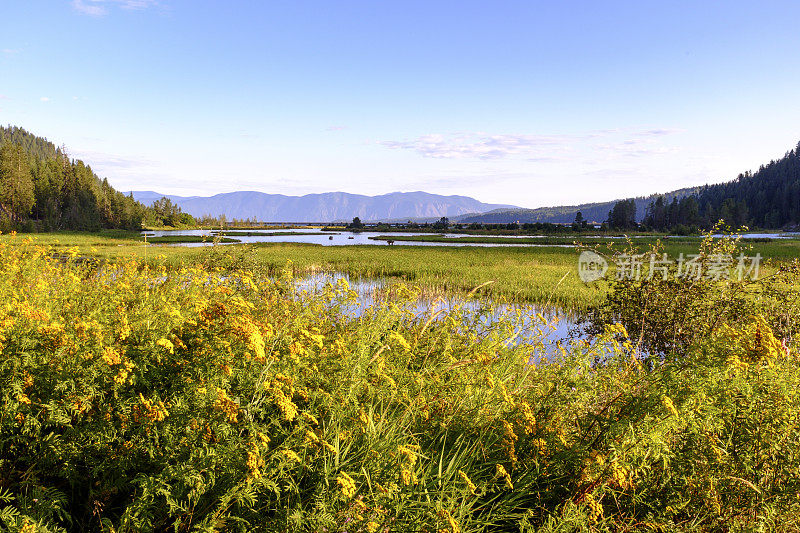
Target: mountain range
325,207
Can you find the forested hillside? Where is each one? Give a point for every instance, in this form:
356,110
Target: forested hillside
768,198
42,189
565,214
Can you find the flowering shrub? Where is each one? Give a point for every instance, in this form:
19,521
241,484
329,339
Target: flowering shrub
136,398
668,312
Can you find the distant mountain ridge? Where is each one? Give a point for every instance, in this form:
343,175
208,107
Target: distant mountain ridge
325,207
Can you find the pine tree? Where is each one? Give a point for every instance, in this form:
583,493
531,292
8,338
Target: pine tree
16,183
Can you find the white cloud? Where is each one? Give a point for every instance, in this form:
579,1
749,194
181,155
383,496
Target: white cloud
482,146
99,8
44,99
535,147
659,132
105,161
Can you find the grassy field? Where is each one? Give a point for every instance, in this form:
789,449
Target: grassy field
542,275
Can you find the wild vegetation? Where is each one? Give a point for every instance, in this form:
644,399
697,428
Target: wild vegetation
138,397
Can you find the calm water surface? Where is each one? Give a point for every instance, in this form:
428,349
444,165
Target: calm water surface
550,326
334,238
347,238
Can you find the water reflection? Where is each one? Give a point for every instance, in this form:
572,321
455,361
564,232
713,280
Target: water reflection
546,327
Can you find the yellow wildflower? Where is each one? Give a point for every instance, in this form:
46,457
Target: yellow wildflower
529,419
408,477
452,525
470,485
111,356
666,401
501,472
346,484
254,463
595,508
166,344
506,396
291,456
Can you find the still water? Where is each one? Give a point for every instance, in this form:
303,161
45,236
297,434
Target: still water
348,238
546,327
333,238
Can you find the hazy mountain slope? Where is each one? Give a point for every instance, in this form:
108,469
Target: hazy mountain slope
325,207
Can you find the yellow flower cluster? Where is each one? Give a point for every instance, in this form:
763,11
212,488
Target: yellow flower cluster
506,396
409,460
452,525
284,403
113,358
509,442
253,338
594,507
666,401
619,476
528,420
291,456
470,485
346,485
502,473
166,344
156,411
227,406
254,463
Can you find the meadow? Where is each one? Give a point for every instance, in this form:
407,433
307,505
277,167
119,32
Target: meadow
546,275
144,395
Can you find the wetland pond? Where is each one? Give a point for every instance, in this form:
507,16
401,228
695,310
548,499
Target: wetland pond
546,327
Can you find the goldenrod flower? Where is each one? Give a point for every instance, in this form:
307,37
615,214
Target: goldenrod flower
452,525
667,402
500,472
470,485
291,456
346,484
166,344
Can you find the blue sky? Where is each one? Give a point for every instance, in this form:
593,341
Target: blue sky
521,102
